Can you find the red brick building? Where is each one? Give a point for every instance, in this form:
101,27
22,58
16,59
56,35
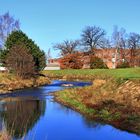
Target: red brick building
111,57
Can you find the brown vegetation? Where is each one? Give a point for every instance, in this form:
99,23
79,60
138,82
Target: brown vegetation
72,61
20,61
109,100
9,82
4,135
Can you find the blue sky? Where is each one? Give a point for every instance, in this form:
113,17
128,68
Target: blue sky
50,21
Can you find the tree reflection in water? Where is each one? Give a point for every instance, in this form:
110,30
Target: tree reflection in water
20,116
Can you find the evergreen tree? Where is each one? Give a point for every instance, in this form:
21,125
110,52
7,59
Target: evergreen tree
18,37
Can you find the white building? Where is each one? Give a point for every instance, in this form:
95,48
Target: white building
3,69
52,66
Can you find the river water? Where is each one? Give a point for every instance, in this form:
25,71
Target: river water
31,114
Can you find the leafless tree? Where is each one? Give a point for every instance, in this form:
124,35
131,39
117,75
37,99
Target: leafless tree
7,25
119,41
93,37
20,61
134,46
67,47
119,37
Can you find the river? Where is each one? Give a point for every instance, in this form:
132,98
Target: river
32,114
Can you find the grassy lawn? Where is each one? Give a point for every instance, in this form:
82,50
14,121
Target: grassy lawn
129,73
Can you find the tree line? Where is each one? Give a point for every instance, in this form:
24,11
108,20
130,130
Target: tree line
93,37
22,55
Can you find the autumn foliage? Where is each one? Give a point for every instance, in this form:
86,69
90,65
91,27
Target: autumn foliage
72,61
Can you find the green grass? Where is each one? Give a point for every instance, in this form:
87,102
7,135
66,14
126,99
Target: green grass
68,99
128,73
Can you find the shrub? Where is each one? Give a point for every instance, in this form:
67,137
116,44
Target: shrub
97,63
123,65
20,61
71,61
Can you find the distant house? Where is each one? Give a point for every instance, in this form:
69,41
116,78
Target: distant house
3,69
107,55
53,64
52,67
111,57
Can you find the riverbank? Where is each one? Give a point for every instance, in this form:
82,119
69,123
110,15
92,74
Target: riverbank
9,82
110,99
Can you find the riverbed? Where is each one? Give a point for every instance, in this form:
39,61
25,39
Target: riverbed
32,114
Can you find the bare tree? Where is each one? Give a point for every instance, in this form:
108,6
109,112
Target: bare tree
20,61
134,46
67,47
119,42
119,37
93,37
7,25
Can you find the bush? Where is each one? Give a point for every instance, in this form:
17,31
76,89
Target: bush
123,65
97,63
71,61
20,61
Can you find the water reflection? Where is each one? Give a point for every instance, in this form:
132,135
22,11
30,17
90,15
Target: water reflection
88,122
21,115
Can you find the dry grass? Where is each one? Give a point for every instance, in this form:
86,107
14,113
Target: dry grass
9,82
111,100
5,136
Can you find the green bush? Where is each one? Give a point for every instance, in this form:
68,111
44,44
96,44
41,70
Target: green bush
124,64
97,63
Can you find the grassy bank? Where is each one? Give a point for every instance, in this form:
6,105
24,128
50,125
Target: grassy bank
88,74
114,97
9,82
107,101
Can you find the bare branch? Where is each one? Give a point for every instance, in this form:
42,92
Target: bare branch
67,47
93,37
7,25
